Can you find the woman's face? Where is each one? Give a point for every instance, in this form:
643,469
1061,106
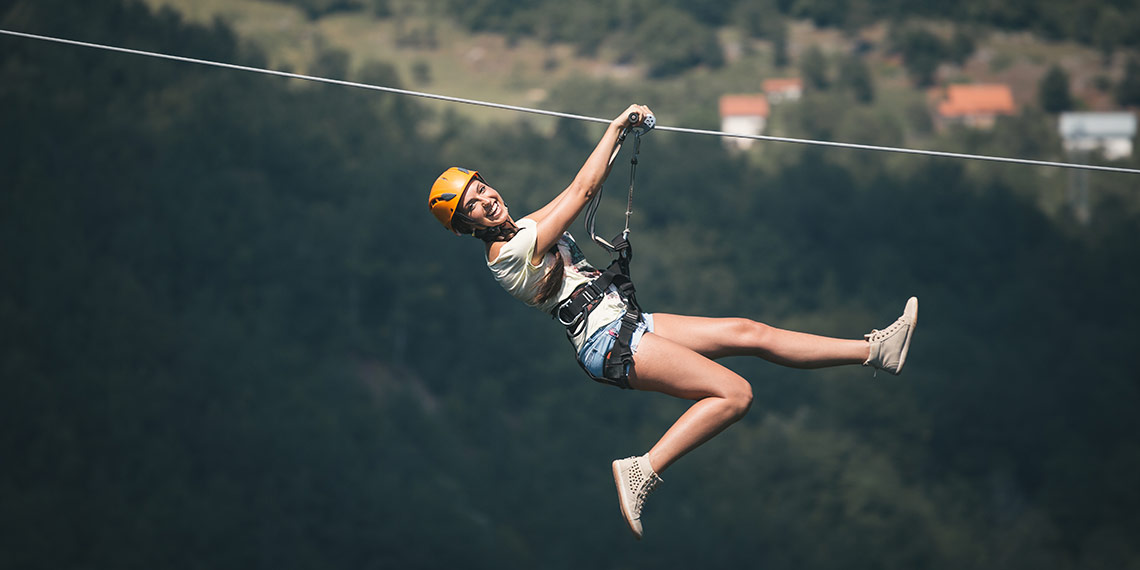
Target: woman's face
483,205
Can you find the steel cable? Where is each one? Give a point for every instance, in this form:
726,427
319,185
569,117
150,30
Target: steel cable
516,108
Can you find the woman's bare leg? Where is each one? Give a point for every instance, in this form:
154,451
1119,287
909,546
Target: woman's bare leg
722,397
719,337
676,359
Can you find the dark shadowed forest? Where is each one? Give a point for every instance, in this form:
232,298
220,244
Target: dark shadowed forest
232,336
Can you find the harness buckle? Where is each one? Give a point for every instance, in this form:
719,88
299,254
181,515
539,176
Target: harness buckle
571,312
574,320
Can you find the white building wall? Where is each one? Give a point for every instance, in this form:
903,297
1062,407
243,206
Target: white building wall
744,125
1109,133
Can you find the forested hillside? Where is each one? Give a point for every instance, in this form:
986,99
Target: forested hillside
673,35
232,336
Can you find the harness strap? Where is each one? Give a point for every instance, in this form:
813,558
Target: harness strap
572,314
619,360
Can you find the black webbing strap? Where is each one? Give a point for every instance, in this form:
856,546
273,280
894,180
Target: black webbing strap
619,361
572,314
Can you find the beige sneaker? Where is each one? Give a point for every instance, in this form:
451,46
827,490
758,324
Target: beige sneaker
890,345
635,479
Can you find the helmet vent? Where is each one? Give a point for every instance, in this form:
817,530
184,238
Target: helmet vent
441,198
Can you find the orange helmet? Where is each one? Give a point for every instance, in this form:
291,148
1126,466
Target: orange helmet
445,194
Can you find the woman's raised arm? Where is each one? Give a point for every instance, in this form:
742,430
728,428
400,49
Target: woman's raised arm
554,218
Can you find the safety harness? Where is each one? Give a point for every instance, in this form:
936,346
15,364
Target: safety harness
573,311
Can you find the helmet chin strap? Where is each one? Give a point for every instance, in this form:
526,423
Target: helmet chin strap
502,232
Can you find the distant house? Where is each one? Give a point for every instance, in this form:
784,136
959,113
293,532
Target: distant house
975,105
1109,133
743,114
783,89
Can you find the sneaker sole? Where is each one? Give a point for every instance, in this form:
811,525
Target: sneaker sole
620,483
910,311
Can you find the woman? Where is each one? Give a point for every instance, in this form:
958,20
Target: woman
536,260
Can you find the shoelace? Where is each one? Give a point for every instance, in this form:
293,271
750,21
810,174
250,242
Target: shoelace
646,488
877,335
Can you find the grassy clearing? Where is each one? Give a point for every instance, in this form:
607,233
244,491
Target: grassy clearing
475,66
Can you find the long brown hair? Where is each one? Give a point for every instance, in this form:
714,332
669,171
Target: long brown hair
551,283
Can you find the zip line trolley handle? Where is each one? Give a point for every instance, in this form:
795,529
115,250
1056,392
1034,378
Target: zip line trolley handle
637,126
640,127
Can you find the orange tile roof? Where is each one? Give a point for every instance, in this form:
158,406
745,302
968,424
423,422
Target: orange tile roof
976,100
782,84
734,105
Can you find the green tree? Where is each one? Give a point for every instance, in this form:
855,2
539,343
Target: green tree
1111,31
1053,91
1128,90
758,19
780,44
961,47
855,77
316,8
819,113
670,41
921,50
822,12
813,67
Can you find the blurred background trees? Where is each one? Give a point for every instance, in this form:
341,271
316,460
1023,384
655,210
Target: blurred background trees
232,336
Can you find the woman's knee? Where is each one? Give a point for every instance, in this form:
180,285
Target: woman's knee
750,333
738,398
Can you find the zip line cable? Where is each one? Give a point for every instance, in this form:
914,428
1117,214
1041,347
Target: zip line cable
571,116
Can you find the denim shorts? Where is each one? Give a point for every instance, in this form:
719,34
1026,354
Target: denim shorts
594,351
